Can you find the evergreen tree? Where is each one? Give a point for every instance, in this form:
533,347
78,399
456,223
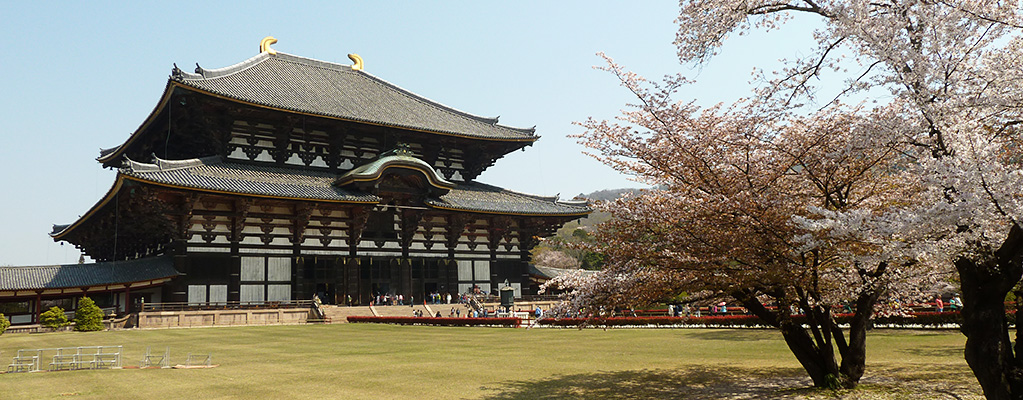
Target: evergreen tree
53,318
4,323
88,316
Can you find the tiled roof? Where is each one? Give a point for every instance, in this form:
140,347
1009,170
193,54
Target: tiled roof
213,174
217,175
82,275
475,196
311,86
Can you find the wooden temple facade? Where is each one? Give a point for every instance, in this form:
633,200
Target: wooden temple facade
282,177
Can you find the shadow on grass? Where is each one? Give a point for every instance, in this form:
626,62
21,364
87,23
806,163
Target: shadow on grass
698,383
750,335
950,374
935,351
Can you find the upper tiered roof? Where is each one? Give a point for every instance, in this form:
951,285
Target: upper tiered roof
293,84
321,88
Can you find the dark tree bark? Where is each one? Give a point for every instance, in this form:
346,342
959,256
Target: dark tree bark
989,351
854,358
815,352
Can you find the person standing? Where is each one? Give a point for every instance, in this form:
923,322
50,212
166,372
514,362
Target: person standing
938,304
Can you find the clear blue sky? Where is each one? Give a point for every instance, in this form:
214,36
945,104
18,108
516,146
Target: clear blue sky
80,76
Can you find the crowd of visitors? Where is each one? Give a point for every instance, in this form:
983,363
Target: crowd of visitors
388,299
439,298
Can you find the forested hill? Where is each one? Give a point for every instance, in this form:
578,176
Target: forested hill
608,194
559,250
597,216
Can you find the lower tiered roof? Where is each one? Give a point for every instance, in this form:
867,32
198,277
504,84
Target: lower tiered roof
86,275
215,175
219,176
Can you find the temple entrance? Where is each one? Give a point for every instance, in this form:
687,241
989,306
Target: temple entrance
429,288
325,291
381,289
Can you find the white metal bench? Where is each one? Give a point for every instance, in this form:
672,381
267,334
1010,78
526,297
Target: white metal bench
153,360
25,361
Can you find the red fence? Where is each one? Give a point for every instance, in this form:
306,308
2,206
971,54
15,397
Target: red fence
506,322
925,319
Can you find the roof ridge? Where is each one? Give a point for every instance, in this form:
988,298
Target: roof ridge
393,86
161,165
313,62
158,257
203,73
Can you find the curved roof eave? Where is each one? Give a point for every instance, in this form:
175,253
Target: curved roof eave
119,150
121,178
116,187
228,193
518,214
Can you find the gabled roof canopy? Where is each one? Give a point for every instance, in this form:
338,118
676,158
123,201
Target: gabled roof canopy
367,175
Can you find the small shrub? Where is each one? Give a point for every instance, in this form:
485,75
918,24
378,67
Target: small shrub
53,318
4,324
88,316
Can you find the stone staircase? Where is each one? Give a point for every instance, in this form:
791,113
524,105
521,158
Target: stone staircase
339,315
401,311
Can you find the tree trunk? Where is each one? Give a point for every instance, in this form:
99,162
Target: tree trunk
818,364
989,350
854,357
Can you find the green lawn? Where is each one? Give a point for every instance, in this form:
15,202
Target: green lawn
387,362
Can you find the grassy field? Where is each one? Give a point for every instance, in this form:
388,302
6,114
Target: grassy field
389,362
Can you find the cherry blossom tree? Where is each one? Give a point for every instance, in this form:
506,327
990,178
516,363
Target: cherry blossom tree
555,259
744,214
928,181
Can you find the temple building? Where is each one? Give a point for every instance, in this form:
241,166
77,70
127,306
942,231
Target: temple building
282,177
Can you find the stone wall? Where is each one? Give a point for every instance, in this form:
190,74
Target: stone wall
181,319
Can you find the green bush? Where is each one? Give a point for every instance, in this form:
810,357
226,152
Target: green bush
53,318
88,316
4,323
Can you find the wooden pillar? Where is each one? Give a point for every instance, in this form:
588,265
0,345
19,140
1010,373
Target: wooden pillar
395,281
405,277
177,289
354,278
39,307
127,298
339,278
